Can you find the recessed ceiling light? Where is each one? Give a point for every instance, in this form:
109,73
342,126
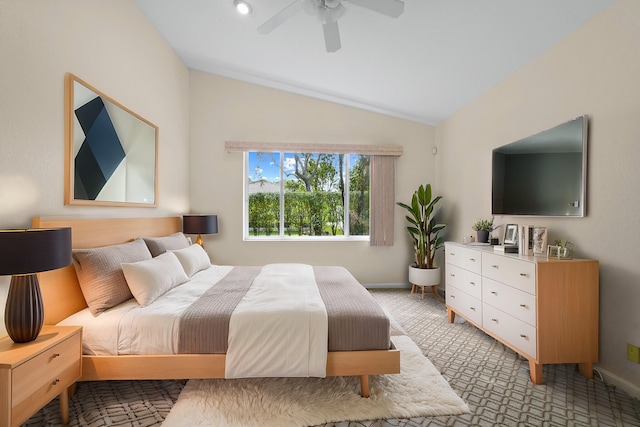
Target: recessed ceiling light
243,7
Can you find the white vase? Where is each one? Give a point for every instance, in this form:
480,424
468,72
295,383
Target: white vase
424,277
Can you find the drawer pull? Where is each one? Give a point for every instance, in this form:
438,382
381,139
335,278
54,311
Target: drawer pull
523,336
524,274
472,283
523,305
55,382
472,259
452,296
54,355
494,266
494,293
494,320
473,308
452,254
452,275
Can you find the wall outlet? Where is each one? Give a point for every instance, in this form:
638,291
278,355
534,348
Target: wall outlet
633,353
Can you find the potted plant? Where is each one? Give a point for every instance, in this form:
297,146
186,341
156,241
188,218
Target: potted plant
483,227
425,233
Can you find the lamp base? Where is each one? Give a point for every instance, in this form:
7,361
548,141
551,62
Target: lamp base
199,240
24,312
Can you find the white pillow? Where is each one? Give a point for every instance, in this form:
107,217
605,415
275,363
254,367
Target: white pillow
151,278
193,259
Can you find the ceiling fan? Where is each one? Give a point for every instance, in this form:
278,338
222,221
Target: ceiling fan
328,12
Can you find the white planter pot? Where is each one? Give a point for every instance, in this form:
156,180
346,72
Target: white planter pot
424,276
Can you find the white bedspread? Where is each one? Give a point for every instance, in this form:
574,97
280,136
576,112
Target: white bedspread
280,327
131,329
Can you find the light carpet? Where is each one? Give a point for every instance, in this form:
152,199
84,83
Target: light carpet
418,391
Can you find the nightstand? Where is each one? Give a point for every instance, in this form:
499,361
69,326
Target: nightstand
34,373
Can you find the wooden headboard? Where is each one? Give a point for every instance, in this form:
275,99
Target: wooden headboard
60,289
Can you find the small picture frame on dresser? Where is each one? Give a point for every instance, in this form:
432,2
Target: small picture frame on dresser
539,241
510,235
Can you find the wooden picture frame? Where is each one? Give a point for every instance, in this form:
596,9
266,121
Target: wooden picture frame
111,153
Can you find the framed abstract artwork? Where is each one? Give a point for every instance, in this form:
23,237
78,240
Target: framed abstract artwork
111,153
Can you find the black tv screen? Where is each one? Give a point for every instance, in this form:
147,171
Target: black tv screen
544,174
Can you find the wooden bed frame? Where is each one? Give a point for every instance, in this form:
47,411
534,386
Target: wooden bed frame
62,297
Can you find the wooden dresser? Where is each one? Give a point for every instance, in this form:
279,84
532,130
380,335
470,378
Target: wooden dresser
546,310
34,373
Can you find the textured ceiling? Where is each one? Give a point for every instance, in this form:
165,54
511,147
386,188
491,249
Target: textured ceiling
423,66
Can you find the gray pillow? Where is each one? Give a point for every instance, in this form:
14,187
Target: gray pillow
159,245
100,273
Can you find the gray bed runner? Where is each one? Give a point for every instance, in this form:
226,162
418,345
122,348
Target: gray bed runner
204,326
356,320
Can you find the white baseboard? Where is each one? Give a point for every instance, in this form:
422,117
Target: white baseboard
620,383
387,286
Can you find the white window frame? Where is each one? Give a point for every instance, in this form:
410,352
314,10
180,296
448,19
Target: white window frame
281,229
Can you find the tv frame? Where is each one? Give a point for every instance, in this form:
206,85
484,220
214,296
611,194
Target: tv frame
539,138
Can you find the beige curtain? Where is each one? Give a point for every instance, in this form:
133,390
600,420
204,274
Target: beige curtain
382,199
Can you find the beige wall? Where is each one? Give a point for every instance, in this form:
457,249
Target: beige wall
112,46
594,71
223,109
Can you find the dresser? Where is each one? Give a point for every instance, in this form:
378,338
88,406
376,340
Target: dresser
544,309
34,373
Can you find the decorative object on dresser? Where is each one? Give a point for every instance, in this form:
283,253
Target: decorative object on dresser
200,224
425,233
111,153
33,374
510,241
483,227
539,239
560,250
22,254
544,309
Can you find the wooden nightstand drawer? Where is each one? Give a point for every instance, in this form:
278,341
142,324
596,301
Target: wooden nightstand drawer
34,373
40,379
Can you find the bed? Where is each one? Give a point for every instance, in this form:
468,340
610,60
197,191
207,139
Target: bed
63,298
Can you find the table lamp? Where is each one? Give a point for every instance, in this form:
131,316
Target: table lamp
200,224
22,254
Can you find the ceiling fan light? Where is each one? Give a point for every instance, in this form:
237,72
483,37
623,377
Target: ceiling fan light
243,7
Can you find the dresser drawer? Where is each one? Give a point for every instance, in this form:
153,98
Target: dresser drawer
464,304
464,280
466,258
512,271
519,304
41,378
510,330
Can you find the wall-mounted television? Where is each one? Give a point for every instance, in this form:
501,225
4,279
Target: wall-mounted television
543,174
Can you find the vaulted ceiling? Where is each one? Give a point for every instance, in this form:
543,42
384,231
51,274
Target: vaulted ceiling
423,66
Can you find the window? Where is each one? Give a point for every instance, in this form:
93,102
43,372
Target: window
306,195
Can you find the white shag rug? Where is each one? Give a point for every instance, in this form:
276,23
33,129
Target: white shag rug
418,391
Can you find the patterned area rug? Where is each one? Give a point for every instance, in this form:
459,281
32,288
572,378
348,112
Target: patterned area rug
492,379
418,391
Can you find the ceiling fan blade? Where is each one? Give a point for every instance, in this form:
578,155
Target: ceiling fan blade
331,36
277,19
392,8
